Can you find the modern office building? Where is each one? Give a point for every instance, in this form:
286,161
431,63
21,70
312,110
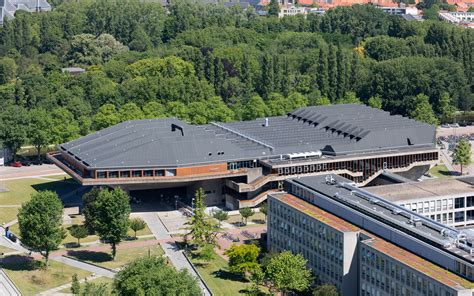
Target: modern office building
447,200
238,163
361,242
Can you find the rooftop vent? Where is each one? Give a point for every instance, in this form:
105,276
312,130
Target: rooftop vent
175,127
265,124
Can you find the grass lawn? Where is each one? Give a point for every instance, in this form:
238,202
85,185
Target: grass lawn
31,280
219,280
8,214
20,190
257,218
440,171
60,177
4,249
123,255
98,281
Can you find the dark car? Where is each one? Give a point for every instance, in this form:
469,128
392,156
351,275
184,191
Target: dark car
26,163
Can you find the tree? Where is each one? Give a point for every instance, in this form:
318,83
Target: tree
137,224
243,258
423,111
200,228
75,286
153,109
462,153
130,111
78,232
152,276
264,209
13,133
245,213
40,221
288,272
375,102
89,210
326,290
220,216
254,108
445,107
40,129
92,289
8,69
111,220
106,116
273,8
206,253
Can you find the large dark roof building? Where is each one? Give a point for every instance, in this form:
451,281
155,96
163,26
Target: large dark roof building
251,157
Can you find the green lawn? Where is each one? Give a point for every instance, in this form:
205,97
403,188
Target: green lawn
123,255
440,171
31,280
5,250
71,242
60,177
219,280
8,214
20,190
258,218
98,281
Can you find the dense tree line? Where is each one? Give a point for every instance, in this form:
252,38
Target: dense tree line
207,63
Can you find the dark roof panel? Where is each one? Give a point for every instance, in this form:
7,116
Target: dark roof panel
152,142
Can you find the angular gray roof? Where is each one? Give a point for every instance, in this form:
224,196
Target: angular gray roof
336,130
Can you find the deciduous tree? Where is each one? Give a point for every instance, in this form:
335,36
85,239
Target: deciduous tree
243,258
79,232
111,220
137,224
152,276
462,154
40,221
246,213
288,272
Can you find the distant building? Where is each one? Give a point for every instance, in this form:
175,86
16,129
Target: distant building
73,70
399,10
446,200
465,19
9,7
366,245
291,10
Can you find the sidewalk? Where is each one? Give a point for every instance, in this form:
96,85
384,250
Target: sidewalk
171,250
7,287
85,266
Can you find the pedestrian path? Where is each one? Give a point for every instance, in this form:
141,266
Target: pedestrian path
85,266
154,224
7,287
171,250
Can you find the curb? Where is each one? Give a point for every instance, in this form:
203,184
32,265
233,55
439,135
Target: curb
197,272
85,262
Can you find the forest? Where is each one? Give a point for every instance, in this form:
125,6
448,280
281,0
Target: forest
204,63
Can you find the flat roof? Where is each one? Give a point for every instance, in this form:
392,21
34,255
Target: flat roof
423,189
413,261
335,130
343,191
315,212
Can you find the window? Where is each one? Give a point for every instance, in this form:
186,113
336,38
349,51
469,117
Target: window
470,201
459,217
101,175
136,174
459,203
470,215
148,173
113,174
125,174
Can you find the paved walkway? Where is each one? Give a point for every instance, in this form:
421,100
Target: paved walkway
174,254
154,224
7,287
11,173
85,266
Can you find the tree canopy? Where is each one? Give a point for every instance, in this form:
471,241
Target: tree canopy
152,276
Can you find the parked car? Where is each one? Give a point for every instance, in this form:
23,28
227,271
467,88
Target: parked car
15,164
26,163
